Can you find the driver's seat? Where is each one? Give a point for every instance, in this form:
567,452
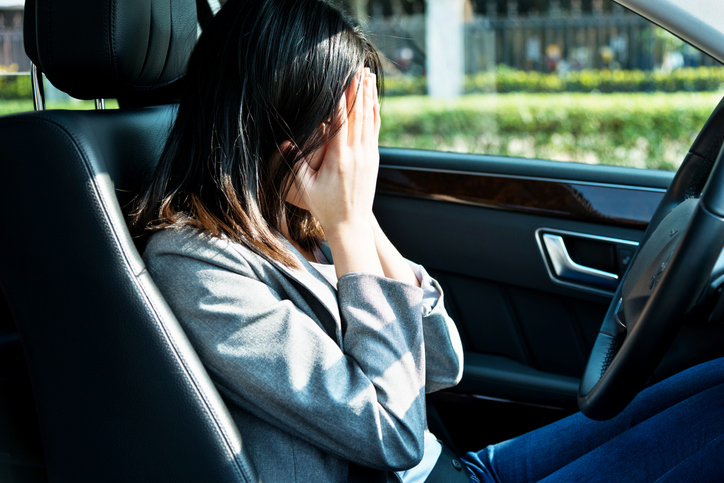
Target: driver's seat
120,393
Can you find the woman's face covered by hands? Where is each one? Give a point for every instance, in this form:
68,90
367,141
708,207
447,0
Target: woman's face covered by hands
336,183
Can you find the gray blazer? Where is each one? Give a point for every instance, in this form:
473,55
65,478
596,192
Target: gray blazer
314,377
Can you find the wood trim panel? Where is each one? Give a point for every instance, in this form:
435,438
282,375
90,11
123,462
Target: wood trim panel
612,205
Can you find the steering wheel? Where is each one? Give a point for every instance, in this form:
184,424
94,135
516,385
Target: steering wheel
669,274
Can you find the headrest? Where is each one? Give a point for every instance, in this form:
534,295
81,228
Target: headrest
95,49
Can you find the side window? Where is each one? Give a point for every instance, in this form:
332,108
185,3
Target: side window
15,91
16,94
569,80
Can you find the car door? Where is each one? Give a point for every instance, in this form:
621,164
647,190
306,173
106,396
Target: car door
528,252
486,228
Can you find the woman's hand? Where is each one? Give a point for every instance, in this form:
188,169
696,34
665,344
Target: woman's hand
338,184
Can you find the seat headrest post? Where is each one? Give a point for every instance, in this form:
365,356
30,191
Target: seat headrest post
36,77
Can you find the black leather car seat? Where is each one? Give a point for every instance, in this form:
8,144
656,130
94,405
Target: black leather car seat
120,393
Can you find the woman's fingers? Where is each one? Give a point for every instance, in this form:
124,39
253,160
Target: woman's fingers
364,113
378,118
340,138
368,108
356,112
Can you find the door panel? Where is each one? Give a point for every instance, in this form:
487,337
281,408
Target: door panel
478,242
473,222
527,326
610,204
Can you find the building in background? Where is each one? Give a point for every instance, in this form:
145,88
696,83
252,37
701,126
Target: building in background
474,36
12,53
546,36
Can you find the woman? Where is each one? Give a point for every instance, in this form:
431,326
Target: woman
272,160
274,148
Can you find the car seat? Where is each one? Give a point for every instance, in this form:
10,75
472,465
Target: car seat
120,393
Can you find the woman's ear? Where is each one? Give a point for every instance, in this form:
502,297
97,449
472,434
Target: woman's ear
280,155
284,146
314,160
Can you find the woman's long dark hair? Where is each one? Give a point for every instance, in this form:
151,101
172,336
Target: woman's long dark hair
263,78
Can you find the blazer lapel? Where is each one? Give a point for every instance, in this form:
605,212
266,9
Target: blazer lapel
317,286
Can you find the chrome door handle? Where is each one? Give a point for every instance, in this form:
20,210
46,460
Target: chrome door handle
566,269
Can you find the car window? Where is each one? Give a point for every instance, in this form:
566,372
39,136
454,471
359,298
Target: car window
15,90
16,94
582,81
569,80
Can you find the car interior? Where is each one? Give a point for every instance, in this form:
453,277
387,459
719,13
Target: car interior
98,381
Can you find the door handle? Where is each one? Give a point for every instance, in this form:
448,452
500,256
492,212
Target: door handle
566,269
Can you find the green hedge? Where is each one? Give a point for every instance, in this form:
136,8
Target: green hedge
505,79
642,130
15,87
24,105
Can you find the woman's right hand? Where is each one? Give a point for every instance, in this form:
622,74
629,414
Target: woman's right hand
337,184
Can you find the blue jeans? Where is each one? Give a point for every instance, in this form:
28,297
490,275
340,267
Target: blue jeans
671,432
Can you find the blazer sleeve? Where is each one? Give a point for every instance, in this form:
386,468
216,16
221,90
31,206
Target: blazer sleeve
277,362
443,348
